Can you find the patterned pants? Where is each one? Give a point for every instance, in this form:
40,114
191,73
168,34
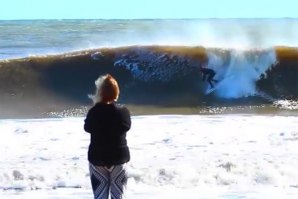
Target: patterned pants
105,180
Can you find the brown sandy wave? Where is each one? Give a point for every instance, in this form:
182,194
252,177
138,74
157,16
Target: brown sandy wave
36,85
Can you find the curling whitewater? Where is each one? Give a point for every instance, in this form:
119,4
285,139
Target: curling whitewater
173,156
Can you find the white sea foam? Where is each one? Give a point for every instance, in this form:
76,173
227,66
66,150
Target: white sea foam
173,156
286,104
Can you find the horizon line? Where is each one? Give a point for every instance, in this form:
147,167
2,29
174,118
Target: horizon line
185,18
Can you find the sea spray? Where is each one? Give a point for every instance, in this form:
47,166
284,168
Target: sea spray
240,70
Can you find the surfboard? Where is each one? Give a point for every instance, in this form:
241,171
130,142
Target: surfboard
210,90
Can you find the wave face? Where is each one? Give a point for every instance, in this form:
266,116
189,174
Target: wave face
152,75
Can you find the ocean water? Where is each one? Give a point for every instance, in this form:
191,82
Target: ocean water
23,38
173,156
48,67
236,142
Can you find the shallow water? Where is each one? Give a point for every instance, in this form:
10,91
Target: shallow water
173,156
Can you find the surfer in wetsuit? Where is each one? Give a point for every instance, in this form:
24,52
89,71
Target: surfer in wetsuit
210,73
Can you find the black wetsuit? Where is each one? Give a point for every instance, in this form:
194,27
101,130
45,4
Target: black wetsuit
210,73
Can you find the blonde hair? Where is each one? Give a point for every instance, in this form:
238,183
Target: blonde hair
107,89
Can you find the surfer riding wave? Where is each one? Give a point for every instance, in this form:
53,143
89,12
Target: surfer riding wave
208,73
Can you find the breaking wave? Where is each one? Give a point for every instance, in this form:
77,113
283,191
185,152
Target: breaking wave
155,75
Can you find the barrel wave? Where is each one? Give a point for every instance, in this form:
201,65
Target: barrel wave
156,75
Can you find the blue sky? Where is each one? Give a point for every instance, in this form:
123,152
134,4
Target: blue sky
132,9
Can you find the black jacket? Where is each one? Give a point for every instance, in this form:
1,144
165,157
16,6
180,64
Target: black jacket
108,124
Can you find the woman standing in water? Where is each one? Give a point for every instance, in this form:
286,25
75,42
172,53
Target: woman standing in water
108,152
